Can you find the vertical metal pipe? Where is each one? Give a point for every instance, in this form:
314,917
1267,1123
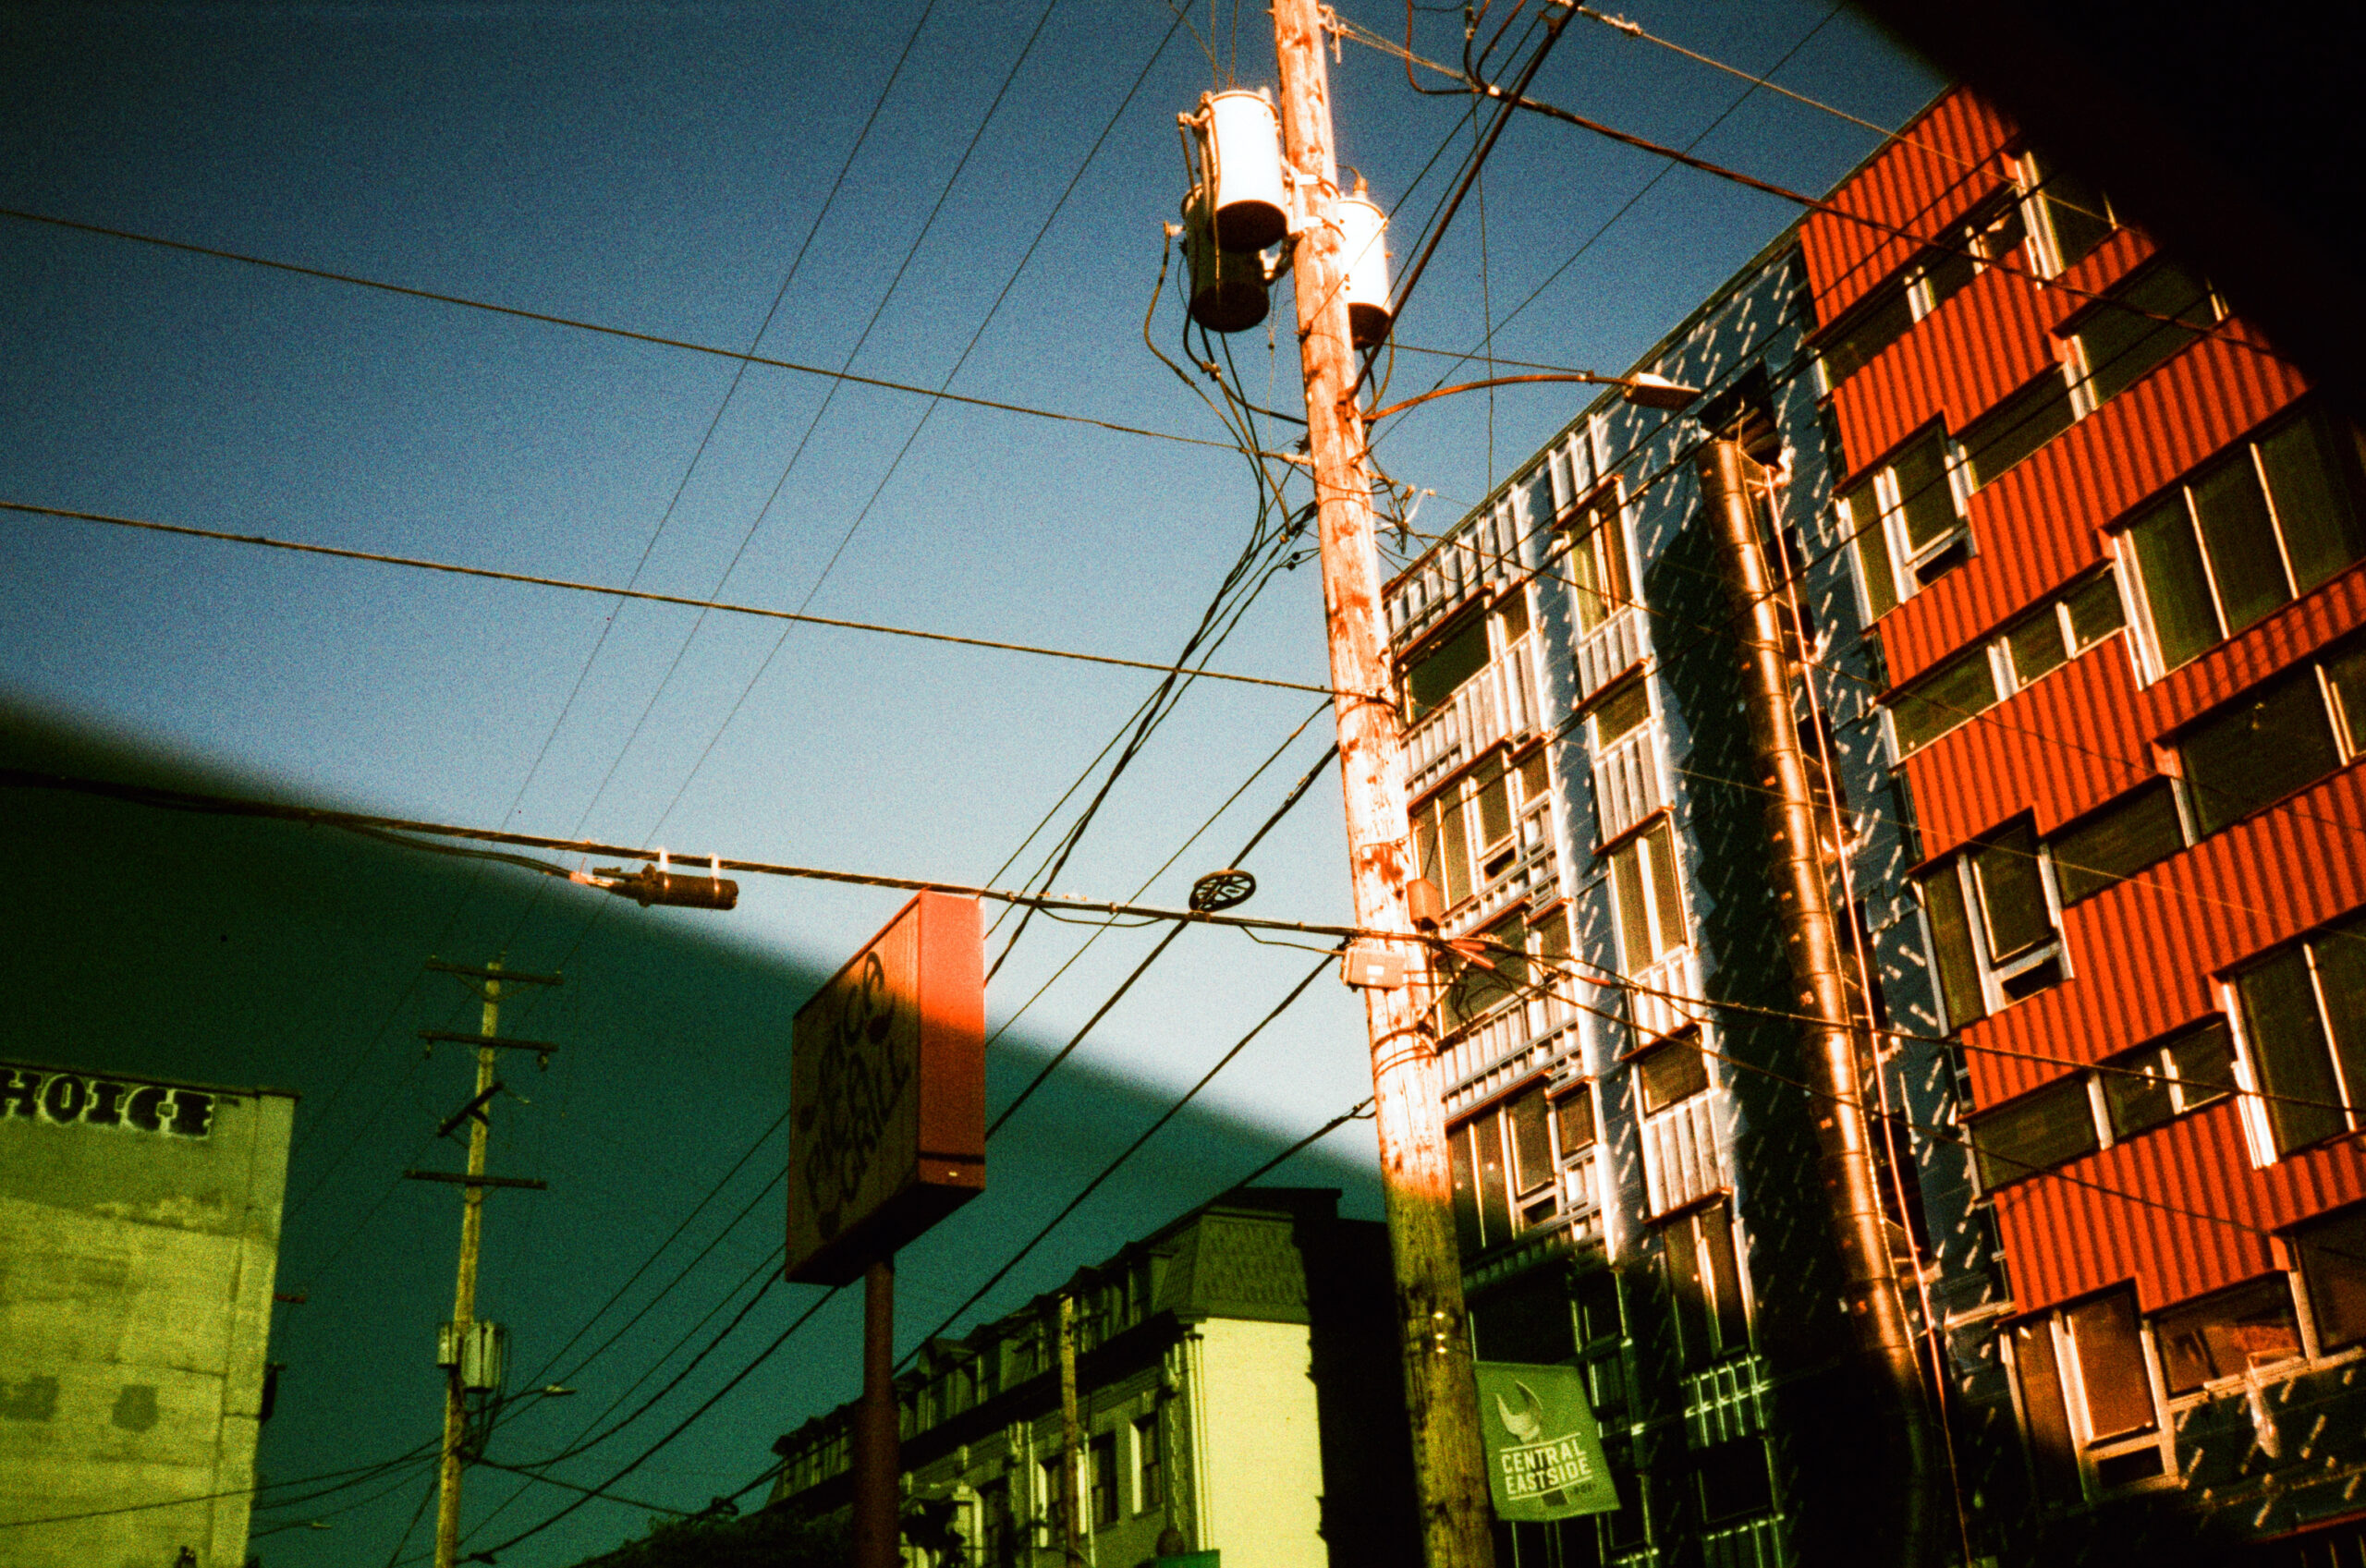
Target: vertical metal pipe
876,1438
1870,1292
1449,1465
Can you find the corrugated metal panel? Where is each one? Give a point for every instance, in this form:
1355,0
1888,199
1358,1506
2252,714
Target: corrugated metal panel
1984,343
2041,524
2142,952
1940,165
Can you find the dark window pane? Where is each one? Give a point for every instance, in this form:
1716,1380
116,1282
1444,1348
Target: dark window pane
1923,493
2052,1453
1947,697
1466,1193
2111,1365
2341,987
2333,1264
1865,332
2309,475
1512,612
2012,892
1598,1306
1946,271
2288,1047
2348,673
1531,1142
2204,1063
1622,711
2226,1334
1495,801
1436,674
2137,327
2184,620
2016,427
1725,1278
1598,562
2036,646
1672,1072
2035,1132
1576,1114
1689,1288
2136,1092
1634,920
2259,749
2240,541
1549,936
1495,1200
2130,834
1425,843
1862,519
2095,612
1951,934
1455,848
2075,211
1535,777
1734,1480
1667,903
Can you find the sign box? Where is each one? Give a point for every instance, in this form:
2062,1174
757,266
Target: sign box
1544,1455
887,1085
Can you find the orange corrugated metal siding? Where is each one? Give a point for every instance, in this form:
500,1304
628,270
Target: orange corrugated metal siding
1940,164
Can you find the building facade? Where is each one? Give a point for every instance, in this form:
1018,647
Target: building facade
1238,1392
2070,563
139,1240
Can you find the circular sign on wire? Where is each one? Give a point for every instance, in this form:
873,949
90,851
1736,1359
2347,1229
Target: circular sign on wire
1222,890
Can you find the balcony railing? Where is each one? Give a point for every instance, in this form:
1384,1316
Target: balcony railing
1681,1161
1498,701
1628,783
1663,997
1610,650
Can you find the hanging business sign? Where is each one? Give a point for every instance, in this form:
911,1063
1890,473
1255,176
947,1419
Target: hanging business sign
1544,1450
887,1092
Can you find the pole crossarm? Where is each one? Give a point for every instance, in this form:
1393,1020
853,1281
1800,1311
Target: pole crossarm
460,1179
491,1042
503,975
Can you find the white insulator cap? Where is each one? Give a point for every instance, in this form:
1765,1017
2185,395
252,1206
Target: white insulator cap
1363,254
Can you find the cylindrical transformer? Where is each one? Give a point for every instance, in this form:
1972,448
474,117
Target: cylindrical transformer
1240,154
1227,287
1363,251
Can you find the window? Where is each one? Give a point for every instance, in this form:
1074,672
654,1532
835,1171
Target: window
1908,529
1150,1465
2144,321
1651,903
2119,1393
2027,651
2146,1087
1574,1132
1467,835
2067,215
2226,1333
1598,565
2245,536
2332,1253
1704,1280
2086,1391
1965,251
1101,1453
2115,841
1489,979
2304,1021
2016,427
1051,1474
1001,1544
2278,738
1671,1072
1503,1166
1992,925
1452,658
1734,1480
2035,1133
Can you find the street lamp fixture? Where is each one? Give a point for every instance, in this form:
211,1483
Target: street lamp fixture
1642,389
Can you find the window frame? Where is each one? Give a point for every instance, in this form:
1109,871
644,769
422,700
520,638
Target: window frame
2260,1116
1910,567
2078,363
1997,976
2069,1385
2005,679
1652,899
1595,523
1972,238
2031,174
1723,1320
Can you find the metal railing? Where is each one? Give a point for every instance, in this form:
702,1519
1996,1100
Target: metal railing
1681,1158
1629,781
1497,702
1610,650
1663,997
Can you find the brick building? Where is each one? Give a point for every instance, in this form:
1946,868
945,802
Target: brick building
2071,560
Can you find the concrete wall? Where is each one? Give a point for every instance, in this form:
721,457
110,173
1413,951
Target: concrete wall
1261,1470
139,1239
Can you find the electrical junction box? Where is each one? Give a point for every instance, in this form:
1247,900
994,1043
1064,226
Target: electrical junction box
1368,966
481,1355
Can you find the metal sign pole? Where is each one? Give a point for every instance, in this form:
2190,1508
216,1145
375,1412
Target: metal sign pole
877,1454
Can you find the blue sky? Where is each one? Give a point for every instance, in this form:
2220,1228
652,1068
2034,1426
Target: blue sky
658,168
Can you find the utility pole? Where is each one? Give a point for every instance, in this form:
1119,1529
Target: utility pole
877,1431
1875,1310
1071,1454
1449,1463
478,1113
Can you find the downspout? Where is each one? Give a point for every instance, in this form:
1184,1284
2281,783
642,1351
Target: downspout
1876,1313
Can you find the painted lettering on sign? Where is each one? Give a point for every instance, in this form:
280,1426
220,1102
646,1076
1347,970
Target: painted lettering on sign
866,1041
79,1100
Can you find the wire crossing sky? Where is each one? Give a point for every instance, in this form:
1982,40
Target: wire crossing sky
663,170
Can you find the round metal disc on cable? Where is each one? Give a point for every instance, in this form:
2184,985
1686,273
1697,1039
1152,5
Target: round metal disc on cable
1227,889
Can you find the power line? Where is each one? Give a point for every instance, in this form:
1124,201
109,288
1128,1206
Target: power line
627,333
419,563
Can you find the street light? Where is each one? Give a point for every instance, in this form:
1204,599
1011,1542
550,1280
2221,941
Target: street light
1642,389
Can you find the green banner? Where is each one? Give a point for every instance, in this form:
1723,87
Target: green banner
1544,1450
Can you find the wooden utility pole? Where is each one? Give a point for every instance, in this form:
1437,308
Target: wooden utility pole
1071,1452
1449,1465
1870,1290
479,1115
